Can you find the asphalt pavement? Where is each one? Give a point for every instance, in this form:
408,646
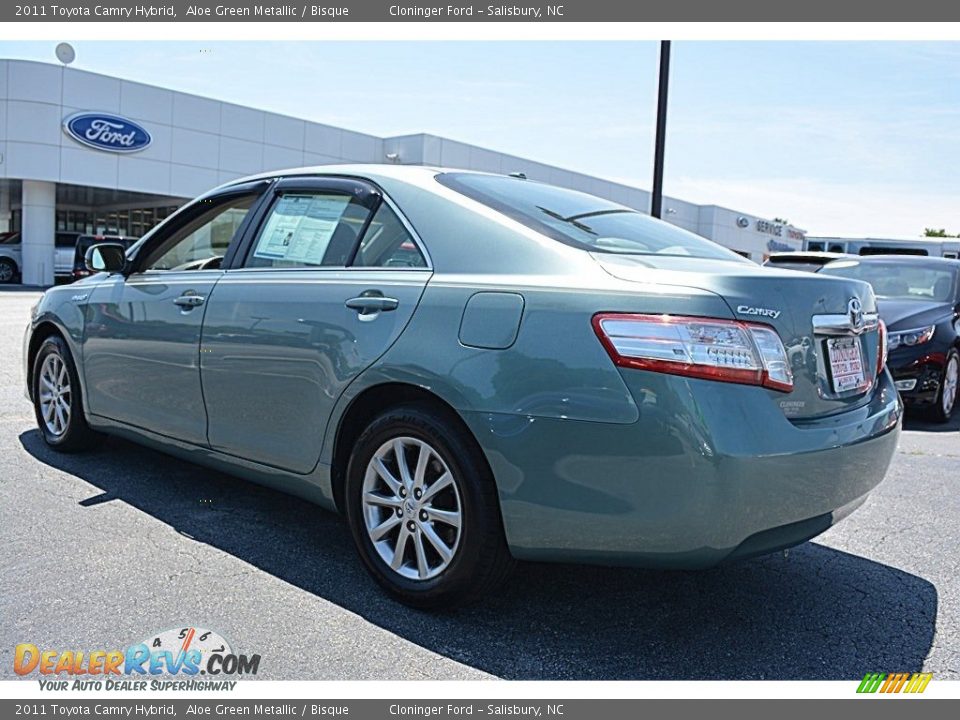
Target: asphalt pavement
102,549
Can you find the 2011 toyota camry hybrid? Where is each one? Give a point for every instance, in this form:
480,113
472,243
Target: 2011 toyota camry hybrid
475,368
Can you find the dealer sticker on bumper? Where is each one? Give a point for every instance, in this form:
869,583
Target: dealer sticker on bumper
846,363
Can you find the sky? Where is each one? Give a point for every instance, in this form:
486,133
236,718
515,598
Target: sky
839,138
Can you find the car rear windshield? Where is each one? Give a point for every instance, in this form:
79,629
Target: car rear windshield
582,220
899,281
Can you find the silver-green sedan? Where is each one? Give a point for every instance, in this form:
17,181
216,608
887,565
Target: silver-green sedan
475,368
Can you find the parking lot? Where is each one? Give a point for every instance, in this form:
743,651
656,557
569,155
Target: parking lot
100,550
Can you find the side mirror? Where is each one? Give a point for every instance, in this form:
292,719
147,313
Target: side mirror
105,257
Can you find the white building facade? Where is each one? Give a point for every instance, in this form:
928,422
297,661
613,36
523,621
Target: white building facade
54,180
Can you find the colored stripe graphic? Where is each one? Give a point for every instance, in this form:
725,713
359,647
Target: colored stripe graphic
898,680
871,682
918,683
894,682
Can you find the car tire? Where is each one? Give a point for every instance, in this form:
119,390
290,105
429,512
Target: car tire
949,394
8,271
56,399
441,513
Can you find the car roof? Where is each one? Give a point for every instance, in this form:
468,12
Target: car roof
366,170
419,175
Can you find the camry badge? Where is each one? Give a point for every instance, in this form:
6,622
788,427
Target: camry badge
758,311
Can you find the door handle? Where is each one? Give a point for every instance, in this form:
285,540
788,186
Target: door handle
372,302
189,301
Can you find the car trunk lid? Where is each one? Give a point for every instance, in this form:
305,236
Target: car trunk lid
827,324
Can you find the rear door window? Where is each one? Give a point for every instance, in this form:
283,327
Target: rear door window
388,243
309,229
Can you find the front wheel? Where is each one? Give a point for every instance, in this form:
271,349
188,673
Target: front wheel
56,399
949,389
8,271
423,510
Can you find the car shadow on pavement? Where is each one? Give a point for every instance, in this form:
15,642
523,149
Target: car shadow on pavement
817,614
913,420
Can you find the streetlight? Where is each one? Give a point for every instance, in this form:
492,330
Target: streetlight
656,199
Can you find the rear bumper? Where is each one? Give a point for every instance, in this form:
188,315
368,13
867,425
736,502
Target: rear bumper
710,472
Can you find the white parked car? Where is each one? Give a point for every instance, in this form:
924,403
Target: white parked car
11,255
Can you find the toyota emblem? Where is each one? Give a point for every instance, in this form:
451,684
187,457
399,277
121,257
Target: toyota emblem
855,312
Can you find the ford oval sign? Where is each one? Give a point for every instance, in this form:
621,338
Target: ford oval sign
106,132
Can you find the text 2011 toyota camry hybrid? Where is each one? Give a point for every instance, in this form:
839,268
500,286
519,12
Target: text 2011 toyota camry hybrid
475,368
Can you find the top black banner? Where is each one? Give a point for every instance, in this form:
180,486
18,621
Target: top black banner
520,11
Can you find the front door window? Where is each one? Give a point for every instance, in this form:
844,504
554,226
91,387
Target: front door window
202,243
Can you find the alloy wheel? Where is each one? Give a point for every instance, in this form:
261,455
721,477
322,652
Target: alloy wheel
6,272
951,381
412,508
55,394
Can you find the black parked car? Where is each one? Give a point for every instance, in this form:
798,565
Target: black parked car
919,300
803,260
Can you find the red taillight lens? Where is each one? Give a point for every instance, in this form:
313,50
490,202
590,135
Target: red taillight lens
883,349
709,348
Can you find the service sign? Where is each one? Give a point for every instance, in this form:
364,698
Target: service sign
107,132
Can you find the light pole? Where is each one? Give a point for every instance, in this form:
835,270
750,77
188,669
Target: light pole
656,199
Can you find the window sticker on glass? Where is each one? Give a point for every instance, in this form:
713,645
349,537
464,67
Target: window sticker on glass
300,227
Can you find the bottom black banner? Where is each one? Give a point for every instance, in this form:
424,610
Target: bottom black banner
619,709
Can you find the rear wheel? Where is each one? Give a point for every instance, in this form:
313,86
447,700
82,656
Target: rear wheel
423,510
949,387
8,270
56,399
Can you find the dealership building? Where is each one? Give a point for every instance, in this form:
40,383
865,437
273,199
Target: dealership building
89,153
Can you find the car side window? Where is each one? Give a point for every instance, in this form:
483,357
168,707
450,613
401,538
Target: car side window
388,243
202,242
309,229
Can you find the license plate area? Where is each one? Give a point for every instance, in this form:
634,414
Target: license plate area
846,364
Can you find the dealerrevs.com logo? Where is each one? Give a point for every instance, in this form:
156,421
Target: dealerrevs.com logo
187,658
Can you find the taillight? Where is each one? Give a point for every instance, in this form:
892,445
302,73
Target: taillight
884,350
714,349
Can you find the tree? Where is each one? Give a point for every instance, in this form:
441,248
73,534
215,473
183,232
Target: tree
937,232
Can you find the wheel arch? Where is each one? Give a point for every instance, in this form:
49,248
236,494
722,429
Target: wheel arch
373,401
43,330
